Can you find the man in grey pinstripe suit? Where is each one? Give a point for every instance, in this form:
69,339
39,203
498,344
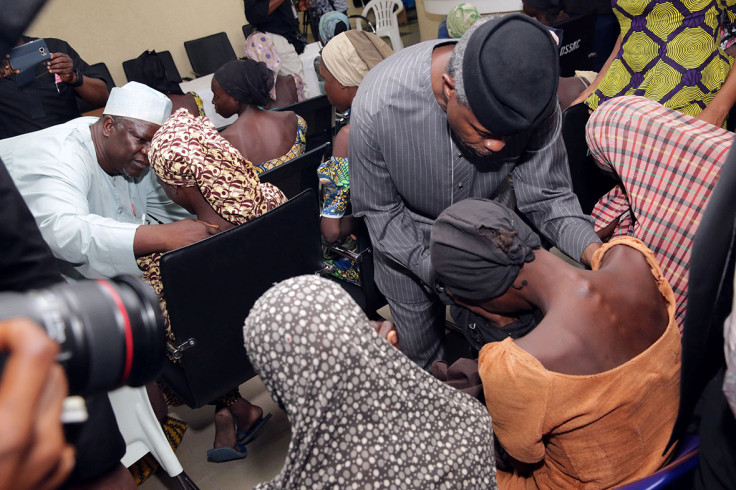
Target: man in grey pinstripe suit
436,123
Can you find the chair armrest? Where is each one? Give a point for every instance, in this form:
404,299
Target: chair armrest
356,257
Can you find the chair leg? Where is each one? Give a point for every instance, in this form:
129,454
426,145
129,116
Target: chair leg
185,482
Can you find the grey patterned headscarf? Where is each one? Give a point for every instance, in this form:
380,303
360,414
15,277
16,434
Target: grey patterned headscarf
478,247
362,414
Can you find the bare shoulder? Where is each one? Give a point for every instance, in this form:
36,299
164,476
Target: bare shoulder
341,142
626,262
237,135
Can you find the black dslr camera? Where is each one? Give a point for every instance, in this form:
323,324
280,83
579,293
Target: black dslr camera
111,332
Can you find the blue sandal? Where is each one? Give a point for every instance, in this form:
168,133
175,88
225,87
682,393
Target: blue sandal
244,437
224,454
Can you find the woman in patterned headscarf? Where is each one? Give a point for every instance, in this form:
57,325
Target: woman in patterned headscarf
265,138
362,414
286,89
331,24
202,172
345,60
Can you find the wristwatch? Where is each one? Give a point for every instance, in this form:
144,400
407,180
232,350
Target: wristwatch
78,79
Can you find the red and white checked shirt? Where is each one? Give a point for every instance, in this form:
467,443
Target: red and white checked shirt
668,163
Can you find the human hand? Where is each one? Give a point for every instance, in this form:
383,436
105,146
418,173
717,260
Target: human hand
187,231
587,256
5,68
33,451
386,330
713,114
61,64
580,98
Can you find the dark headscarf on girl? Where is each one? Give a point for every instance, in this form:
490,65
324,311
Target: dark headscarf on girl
247,81
478,248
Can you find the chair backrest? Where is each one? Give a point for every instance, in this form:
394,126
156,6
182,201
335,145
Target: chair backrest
577,43
358,21
100,68
299,174
683,463
248,29
135,69
209,53
318,113
211,285
384,12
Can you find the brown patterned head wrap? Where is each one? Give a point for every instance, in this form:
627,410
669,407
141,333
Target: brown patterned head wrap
188,151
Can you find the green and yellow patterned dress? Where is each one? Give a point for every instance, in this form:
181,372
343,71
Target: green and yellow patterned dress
335,179
669,53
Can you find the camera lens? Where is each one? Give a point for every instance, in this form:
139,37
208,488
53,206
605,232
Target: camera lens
111,333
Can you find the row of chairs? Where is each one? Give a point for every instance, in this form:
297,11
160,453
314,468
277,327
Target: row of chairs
206,54
207,322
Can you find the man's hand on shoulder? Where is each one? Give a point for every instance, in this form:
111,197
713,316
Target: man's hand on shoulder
170,236
588,253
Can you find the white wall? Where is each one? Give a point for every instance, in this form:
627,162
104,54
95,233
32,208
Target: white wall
115,31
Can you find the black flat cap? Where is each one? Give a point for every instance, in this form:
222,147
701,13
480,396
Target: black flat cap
510,74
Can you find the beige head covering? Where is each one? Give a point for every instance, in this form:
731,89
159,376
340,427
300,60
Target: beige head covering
349,55
137,101
188,151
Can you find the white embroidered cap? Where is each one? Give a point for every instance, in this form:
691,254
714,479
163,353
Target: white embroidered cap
138,101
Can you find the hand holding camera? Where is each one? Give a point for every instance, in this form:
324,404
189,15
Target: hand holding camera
33,451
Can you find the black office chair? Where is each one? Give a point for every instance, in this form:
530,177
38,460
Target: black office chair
101,70
318,113
210,286
209,53
577,43
299,174
248,29
134,68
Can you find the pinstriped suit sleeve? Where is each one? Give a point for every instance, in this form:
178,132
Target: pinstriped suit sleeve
394,232
544,193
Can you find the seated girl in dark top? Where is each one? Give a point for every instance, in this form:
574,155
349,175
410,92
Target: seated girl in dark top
265,138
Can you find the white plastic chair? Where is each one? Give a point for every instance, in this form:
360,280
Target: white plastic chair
387,25
143,433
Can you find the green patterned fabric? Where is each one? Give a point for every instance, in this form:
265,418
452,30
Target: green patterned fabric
460,17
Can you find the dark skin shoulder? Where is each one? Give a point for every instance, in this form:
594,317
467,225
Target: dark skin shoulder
611,316
262,135
285,92
185,101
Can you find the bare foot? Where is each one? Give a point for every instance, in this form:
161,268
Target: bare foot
224,428
246,414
